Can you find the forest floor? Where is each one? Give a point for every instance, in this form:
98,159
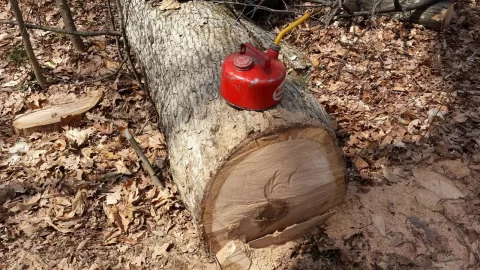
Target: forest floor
406,105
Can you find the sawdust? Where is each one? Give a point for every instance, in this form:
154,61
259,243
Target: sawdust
404,208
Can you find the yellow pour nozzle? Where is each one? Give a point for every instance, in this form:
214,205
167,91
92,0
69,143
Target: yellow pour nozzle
290,27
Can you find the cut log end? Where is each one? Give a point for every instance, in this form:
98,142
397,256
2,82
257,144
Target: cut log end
436,17
273,183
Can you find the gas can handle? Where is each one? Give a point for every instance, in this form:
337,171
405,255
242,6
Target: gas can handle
243,48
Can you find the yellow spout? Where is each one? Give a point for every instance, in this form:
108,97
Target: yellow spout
290,27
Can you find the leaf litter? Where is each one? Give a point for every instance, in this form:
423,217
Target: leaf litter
406,110
79,192
406,103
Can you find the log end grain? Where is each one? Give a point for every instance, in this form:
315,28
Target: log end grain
273,183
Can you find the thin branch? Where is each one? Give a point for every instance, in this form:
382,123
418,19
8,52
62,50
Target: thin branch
146,164
309,6
322,2
63,31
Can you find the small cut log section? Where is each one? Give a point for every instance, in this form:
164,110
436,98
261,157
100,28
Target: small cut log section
262,177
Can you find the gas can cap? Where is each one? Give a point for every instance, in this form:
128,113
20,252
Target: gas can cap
243,62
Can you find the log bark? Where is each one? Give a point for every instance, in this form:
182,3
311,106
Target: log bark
242,174
435,15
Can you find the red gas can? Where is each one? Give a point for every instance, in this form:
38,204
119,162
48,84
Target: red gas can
252,79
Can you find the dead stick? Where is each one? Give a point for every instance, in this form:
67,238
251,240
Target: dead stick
63,31
145,163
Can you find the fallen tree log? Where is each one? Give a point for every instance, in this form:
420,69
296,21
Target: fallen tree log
242,174
433,14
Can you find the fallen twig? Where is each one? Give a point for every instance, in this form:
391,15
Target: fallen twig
145,163
63,31
323,2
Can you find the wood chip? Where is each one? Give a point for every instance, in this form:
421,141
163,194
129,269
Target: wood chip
233,256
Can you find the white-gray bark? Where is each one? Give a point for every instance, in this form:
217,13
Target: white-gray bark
181,52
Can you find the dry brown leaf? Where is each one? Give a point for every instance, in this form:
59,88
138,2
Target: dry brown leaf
160,250
379,222
63,201
234,256
49,221
398,88
360,163
411,126
11,83
26,205
82,244
390,175
78,136
118,220
126,214
437,183
460,117
112,237
133,194
155,142
113,216
335,86
314,61
151,193
78,204
113,198
60,144
139,260
121,168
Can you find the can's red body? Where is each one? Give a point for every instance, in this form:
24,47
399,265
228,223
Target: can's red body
252,79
